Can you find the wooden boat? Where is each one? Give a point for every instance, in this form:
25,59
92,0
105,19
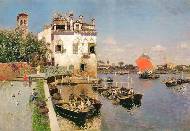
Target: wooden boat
146,68
130,101
78,117
74,112
175,82
102,89
109,80
146,75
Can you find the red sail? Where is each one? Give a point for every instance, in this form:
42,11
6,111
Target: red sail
144,63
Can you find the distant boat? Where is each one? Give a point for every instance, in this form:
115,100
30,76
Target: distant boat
174,81
146,68
109,80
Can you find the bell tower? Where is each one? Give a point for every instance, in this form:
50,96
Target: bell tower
22,23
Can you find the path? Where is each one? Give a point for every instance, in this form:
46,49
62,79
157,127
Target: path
52,116
15,117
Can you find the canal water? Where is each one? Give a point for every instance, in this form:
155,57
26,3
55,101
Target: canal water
162,108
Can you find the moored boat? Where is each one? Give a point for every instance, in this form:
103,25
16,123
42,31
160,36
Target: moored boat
79,108
146,68
109,80
146,75
174,82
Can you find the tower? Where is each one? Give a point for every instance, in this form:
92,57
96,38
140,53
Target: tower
22,23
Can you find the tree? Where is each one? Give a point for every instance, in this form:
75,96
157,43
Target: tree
15,48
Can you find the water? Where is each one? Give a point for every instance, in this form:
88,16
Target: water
162,108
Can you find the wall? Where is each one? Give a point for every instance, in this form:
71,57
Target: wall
68,58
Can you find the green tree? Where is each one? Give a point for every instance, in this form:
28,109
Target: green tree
15,48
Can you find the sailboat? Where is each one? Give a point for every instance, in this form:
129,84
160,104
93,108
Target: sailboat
146,68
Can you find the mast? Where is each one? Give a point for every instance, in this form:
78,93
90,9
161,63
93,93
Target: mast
128,84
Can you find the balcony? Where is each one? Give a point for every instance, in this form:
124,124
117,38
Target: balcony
86,56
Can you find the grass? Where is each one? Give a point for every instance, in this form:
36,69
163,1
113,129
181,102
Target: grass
40,122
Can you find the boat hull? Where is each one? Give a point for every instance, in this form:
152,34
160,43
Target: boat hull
79,118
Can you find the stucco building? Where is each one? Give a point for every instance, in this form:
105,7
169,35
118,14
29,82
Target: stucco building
72,42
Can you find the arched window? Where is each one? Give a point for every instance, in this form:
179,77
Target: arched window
59,47
21,22
91,48
75,48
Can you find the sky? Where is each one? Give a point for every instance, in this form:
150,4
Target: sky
126,28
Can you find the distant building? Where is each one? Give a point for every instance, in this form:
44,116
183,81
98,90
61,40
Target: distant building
72,42
22,23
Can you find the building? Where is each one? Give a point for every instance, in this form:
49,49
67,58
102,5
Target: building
72,43
22,23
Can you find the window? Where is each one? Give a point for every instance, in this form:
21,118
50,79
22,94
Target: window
21,22
75,48
58,48
82,67
92,49
60,27
77,27
68,27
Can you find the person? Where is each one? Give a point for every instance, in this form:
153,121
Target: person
19,92
13,95
81,106
30,81
88,102
131,91
17,103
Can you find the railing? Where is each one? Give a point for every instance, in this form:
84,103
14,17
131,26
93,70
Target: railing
86,55
57,71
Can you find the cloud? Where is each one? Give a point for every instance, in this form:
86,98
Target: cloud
158,48
183,45
110,41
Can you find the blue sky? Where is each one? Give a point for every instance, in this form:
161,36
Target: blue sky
126,28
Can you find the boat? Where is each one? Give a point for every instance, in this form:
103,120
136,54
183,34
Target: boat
146,68
147,75
129,99
126,97
176,81
109,80
78,109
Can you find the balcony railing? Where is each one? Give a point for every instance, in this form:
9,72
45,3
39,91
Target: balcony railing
86,55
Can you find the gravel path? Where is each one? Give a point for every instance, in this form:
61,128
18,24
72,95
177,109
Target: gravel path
15,112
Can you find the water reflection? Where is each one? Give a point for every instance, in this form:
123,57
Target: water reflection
161,108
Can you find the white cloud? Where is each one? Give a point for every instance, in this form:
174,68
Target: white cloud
110,41
158,48
183,45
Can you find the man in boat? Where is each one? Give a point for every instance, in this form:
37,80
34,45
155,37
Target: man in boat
88,102
81,106
131,91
